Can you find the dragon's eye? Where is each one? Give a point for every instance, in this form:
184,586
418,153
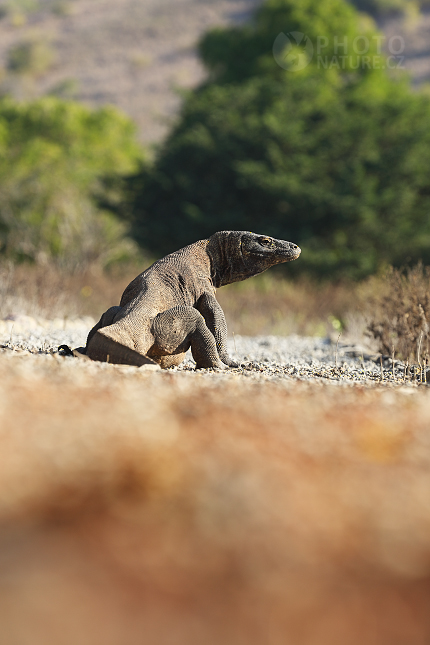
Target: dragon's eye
265,241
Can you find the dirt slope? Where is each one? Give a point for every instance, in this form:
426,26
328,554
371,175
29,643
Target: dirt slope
134,53
131,53
415,33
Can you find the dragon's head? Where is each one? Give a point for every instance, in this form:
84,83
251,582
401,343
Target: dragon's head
237,255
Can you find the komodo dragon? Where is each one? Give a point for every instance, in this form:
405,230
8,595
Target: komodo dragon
171,306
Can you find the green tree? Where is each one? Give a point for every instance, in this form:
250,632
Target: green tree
334,158
57,161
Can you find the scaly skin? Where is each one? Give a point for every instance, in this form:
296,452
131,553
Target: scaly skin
171,307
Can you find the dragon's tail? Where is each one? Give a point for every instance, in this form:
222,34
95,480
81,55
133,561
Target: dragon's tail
78,352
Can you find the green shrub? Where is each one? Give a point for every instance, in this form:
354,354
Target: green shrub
33,58
65,89
60,163
16,8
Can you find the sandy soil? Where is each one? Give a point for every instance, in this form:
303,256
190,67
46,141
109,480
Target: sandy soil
188,508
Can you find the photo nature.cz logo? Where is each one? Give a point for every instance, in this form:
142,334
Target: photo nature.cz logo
294,51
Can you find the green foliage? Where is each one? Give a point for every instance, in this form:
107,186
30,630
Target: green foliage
33,58
17,10
336,160
237,54
65,89
57,161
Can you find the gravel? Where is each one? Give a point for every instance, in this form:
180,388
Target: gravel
271,358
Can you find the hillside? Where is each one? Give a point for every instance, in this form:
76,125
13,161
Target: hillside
132,53
416,37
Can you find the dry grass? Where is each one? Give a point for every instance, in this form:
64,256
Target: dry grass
180,509
400,311
262,305
272,305
47,292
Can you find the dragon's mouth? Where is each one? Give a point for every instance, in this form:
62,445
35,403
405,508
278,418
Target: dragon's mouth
291,253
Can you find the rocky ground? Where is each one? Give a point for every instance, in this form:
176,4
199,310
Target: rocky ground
261,358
